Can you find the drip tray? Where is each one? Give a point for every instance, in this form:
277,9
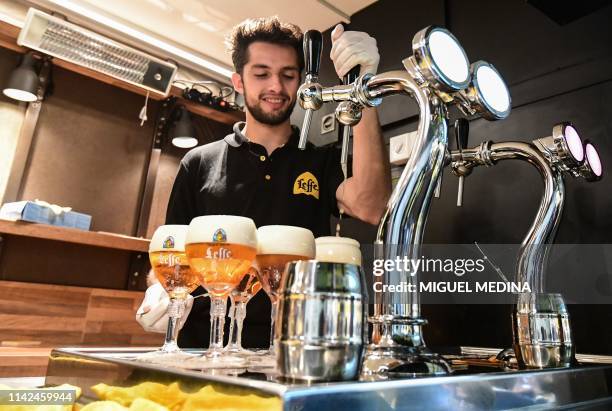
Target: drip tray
479,382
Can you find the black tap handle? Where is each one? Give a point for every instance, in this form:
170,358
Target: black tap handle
462,131
313,46
352,75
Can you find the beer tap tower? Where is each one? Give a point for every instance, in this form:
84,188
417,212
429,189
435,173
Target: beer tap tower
437,75
540,321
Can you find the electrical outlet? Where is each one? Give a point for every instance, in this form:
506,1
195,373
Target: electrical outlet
400,148
328,123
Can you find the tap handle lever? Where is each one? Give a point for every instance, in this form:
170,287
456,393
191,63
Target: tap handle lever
313,47
349,78
462,131
460,191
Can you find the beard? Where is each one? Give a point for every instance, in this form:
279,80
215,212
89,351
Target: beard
272,119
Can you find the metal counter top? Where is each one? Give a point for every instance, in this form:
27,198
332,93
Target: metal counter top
586,386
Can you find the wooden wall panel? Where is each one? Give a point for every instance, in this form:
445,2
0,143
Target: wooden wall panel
41,316
89,152
62,263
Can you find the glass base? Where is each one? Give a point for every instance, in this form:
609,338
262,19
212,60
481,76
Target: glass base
262,359
163,356
242,352
216,359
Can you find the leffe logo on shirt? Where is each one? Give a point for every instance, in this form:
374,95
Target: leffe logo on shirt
306,183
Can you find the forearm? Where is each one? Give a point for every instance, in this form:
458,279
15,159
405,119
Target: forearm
365,194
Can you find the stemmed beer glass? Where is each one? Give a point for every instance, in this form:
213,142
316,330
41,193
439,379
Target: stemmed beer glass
220,250
170,265
278,245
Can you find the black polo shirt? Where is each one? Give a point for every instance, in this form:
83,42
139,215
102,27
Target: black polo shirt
236,177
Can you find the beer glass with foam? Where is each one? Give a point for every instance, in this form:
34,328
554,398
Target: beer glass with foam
220,250
342,250
278,245
170,265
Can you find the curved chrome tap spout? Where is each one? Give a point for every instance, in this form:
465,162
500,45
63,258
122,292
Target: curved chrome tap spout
532,256
540,321
397,347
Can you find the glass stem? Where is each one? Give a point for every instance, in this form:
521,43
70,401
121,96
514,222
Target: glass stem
240,316
233,331
218,306
237,314
272,322
176,309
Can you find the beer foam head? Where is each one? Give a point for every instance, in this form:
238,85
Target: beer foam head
338,250
285,240
229,229
169,238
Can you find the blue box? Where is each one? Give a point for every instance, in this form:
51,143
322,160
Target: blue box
37,213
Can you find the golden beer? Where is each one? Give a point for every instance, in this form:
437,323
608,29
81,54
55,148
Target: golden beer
174,273
271,268
170,265
220,266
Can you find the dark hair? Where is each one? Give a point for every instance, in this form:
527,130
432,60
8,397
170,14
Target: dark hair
266,29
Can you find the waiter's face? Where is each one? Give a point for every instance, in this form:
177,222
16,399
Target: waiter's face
269,82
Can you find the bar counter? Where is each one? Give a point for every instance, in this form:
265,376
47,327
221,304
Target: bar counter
585,386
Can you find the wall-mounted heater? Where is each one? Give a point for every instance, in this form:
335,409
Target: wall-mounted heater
58,38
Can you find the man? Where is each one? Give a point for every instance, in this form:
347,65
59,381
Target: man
259,172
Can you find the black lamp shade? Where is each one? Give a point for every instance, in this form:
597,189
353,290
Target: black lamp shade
183,134
23,82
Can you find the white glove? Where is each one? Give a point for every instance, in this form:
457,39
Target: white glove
353,48
152,314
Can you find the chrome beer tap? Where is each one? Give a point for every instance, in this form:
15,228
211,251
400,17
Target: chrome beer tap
436,75
540,321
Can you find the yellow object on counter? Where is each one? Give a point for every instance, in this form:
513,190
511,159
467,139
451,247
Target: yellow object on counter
169,396
172,398
139,404
209,399
104,406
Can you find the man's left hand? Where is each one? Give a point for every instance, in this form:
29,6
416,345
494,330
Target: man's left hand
352,48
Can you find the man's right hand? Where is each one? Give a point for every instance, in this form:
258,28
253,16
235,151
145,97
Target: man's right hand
152,313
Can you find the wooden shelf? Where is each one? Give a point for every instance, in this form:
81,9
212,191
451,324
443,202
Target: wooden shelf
70,235
8,39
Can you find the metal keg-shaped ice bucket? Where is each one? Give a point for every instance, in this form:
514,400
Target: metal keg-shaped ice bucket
321,322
